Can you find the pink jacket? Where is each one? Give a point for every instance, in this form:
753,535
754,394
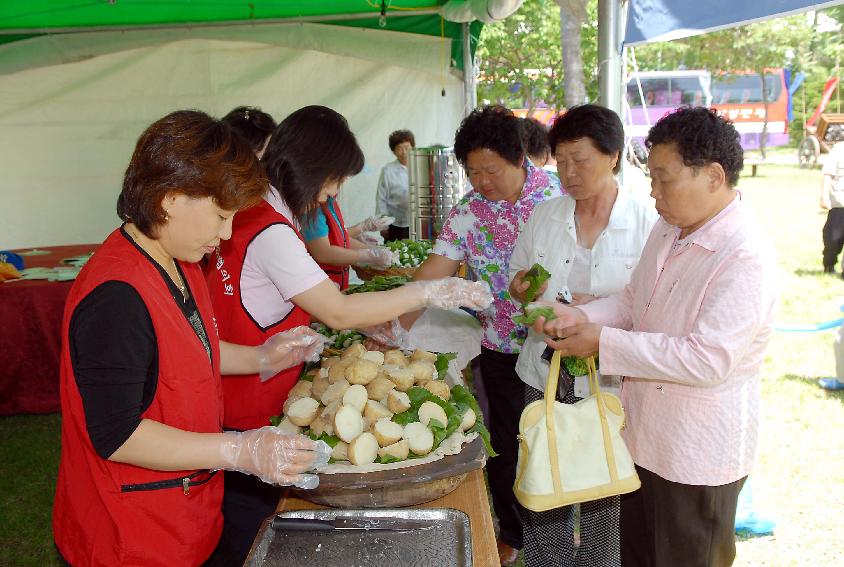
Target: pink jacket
689,334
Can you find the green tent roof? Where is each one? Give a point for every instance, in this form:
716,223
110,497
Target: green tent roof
22,20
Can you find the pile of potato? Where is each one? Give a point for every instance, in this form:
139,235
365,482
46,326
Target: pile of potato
354,397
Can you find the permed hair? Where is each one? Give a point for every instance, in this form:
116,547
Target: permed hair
251,123
701,137
311,147
400,137
598,123
188,152
492,128
535,138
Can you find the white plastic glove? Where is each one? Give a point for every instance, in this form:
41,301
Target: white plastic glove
273,456
377,257
377,223
451,293
371,238
390,334
287,349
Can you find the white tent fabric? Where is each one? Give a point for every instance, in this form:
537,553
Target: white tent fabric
72,107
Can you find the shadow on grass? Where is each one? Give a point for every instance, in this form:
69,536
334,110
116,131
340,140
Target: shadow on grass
812,382
813,272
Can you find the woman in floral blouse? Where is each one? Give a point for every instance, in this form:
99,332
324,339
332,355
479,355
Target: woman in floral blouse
482,230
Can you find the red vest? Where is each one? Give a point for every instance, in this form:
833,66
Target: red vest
337,236
109,513
248,402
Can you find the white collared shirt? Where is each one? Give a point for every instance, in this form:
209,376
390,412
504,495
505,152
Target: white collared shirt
392,193
549,238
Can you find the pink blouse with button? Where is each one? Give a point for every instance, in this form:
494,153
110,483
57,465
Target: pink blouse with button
689,335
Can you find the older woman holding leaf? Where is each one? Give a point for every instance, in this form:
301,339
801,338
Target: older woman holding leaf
587,242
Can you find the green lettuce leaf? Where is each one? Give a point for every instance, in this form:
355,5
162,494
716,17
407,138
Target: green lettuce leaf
463,397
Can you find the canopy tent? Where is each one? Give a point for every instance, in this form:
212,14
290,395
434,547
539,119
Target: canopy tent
80,81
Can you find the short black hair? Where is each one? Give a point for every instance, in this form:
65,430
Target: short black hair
400,137
311,147
493,128
535,138
598,123
701,137
252,123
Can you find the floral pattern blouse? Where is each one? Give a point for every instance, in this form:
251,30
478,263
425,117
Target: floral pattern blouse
483,233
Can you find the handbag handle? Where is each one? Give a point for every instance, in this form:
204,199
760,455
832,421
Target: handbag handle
550,399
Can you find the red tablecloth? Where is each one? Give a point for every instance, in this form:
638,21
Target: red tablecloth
30,336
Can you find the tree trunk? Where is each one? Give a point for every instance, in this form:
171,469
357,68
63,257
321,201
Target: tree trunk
763,138
572,16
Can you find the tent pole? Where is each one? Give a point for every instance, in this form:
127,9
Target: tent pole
470,87
610,39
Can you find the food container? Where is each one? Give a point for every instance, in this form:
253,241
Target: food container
437,183
445,541
396,488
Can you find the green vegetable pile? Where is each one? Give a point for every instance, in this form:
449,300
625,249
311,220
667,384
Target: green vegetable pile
411,253
575,366
378,283
536,276
340,339
531,314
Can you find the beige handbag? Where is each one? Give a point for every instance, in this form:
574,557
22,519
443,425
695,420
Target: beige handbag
570,453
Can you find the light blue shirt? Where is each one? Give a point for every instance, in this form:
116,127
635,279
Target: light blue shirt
318,225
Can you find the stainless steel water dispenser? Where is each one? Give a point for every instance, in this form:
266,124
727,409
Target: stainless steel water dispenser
437,183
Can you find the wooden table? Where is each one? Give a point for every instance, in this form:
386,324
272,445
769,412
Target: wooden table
470,497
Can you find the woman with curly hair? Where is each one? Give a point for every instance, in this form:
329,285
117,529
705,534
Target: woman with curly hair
481,231
689,335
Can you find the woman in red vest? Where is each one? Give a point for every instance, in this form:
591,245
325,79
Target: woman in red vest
141,395
263,281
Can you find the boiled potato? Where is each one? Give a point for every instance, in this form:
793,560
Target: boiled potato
331,410
375,411
285,408
399,450
355,351
355,396
403,378
379,388
422,370
361,371
340,452
375,356
396,358
420,355
334,391
387,432
419,438
286,426
303,411
363,450
329,361
469,419
321,425
320,385
301,389
429,411
438,388
337,372
398,402
348,424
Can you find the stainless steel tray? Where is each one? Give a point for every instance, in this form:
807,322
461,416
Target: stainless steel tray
447,543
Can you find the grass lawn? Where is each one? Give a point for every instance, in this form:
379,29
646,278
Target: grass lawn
799,480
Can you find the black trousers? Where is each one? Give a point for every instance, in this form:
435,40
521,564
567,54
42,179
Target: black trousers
506,393
668,524
833,238
398,232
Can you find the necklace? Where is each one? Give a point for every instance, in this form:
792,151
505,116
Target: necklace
178,281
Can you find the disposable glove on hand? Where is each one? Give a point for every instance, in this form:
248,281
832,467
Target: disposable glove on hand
390,334
287,349
273,456
377,223
371,238
376,256
451,293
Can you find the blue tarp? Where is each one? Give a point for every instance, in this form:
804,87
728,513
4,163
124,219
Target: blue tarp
663,20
